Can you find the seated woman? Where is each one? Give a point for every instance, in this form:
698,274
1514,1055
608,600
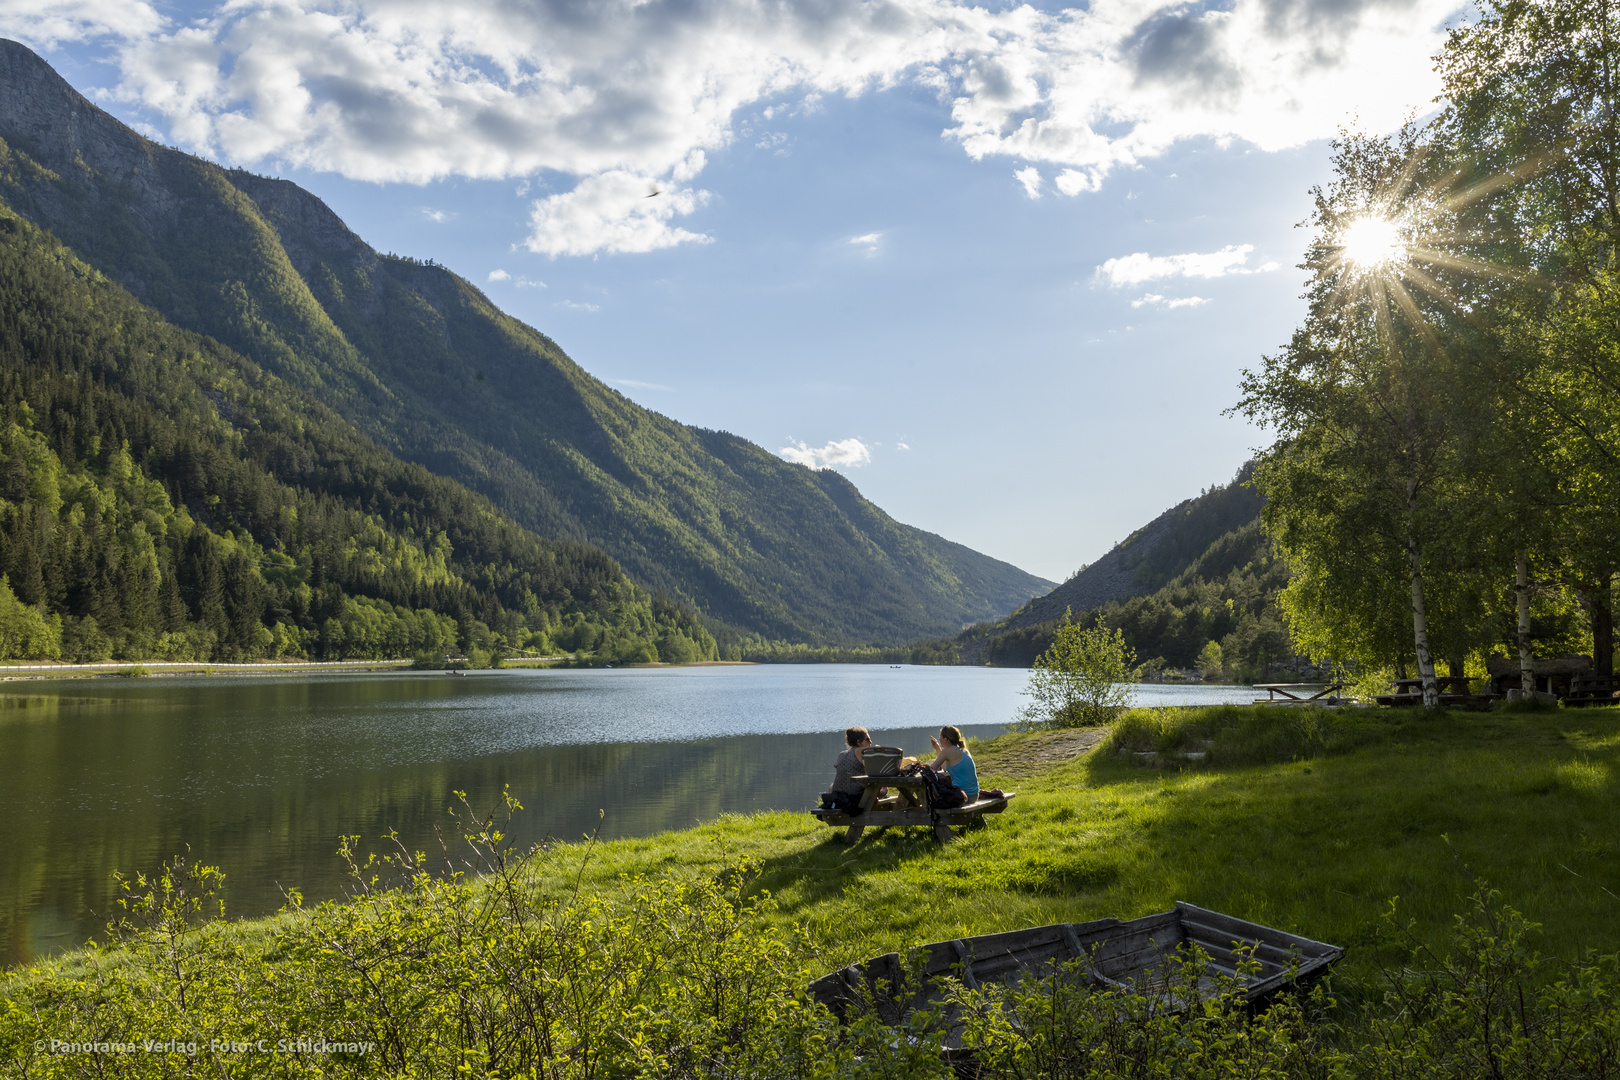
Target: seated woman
845,793
955,761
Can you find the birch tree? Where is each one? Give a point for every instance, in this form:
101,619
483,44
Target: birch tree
1363,486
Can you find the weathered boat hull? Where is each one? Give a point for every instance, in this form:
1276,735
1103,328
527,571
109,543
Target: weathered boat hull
1140,953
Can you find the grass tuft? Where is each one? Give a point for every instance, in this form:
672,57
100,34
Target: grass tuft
1235,735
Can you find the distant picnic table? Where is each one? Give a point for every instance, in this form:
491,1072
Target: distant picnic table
1294,693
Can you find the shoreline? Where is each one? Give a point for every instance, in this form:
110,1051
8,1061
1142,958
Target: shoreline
103,669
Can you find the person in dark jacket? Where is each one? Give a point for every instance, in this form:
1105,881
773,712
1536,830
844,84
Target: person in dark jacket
845,793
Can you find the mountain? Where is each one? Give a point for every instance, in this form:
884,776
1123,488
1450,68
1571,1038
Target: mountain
1150,557
423,363
1202,572
163,497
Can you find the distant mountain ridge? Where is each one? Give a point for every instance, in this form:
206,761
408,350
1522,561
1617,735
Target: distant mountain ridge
420,360
1150,557
1156,584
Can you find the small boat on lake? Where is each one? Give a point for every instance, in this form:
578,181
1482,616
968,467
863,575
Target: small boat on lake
1144,954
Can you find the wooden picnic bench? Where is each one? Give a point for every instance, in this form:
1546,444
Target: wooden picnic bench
908,806
1409,692
1291,697
1586,688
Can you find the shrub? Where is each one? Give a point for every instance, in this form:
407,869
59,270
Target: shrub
476,971
1082,679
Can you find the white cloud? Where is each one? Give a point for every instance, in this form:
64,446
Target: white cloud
1031,179
438,216
901,446
1075,181
1136,268
869,241
846,453
637,384
519,282
405,90
46,23
614,211
577,305
1155,300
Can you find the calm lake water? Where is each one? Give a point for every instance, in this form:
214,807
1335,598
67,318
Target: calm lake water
261,775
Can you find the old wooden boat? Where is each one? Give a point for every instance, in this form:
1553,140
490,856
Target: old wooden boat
1140,954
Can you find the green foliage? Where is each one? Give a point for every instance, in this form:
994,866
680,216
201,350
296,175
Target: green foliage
1082,679
27,631
161,497
493,977
483,973
1491,1006
1063,1025
1450,420
1194,528
755,649
1228,594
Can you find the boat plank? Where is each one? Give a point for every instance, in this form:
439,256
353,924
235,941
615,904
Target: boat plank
1264,951
1017,939
1243,928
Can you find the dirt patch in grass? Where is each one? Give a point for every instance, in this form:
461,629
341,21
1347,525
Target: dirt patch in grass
1037,753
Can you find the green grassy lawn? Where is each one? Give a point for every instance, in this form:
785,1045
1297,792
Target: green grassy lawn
652,964
1311,822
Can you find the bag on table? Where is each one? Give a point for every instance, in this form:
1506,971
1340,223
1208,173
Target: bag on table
882,760
943,794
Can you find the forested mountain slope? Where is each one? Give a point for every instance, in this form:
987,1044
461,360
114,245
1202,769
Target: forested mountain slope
1151,556
1201,572
422,362
163,497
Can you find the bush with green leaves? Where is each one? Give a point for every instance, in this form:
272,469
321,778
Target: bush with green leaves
482,962
438,967
1082,680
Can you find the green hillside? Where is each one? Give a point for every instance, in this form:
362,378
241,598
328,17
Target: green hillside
1203,571
163,497
420,360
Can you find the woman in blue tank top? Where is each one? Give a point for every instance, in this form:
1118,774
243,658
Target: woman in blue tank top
955,760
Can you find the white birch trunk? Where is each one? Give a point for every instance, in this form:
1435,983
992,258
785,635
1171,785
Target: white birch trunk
1521,590
1420,623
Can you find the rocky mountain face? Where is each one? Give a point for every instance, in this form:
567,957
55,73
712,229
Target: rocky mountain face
419,359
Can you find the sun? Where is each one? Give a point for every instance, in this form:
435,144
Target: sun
1372,243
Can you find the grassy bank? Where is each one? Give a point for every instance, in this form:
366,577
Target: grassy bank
1308,820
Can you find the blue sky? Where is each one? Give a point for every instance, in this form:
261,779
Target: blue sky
1000,265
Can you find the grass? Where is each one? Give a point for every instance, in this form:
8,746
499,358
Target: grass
1313,821
1309,820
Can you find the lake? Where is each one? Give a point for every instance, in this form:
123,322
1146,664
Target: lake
260,775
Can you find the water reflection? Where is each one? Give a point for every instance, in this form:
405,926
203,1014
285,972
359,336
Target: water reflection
261,775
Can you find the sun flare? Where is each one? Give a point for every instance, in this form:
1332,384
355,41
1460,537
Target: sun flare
1372,243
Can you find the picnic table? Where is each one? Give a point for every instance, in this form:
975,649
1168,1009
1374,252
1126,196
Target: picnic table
1291,697
1410,692
907,806
1586,688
